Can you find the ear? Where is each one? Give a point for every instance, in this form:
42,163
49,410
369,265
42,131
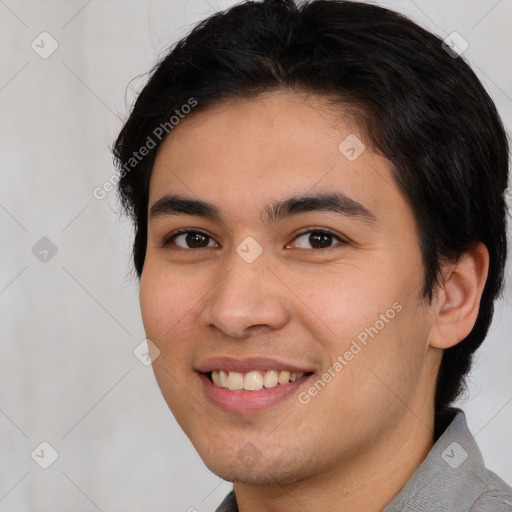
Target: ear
458,298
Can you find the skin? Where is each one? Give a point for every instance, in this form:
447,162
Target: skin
357,442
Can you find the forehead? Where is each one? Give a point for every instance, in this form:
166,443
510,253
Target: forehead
247,152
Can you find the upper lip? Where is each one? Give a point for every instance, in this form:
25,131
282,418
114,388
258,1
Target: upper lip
248,364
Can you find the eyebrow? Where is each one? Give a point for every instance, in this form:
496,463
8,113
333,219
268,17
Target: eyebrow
331,202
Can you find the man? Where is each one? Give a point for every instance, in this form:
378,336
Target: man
318,196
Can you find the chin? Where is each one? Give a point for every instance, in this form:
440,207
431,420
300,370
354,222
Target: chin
265,472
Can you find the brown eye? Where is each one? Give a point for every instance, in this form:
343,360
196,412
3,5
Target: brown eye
320,240
192,240
317,239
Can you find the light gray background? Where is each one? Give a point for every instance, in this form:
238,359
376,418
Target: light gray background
68,326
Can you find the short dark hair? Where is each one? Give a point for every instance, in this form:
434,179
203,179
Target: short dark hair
419,106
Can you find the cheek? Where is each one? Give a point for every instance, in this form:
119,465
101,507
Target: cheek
346,302
155,305
165,298
165,303
371,321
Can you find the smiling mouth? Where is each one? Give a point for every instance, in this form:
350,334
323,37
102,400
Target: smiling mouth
254,380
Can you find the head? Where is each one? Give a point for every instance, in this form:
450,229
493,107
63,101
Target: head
268,103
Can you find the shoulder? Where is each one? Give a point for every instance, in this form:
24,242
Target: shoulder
496,497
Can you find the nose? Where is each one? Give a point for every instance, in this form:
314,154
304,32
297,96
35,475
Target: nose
248,298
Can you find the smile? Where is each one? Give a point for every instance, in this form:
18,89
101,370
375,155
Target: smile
250,385
253,380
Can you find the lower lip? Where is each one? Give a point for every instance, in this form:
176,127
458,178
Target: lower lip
249,401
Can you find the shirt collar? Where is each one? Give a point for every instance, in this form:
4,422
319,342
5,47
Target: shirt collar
451,477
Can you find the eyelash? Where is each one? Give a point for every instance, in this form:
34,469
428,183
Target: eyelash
310,230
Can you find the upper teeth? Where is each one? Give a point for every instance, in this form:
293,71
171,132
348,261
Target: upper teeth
253,381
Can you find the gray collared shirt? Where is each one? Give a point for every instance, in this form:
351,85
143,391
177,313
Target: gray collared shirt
453,478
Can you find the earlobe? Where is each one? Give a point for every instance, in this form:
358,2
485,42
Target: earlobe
459,297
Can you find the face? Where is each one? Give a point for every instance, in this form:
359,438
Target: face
282,287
